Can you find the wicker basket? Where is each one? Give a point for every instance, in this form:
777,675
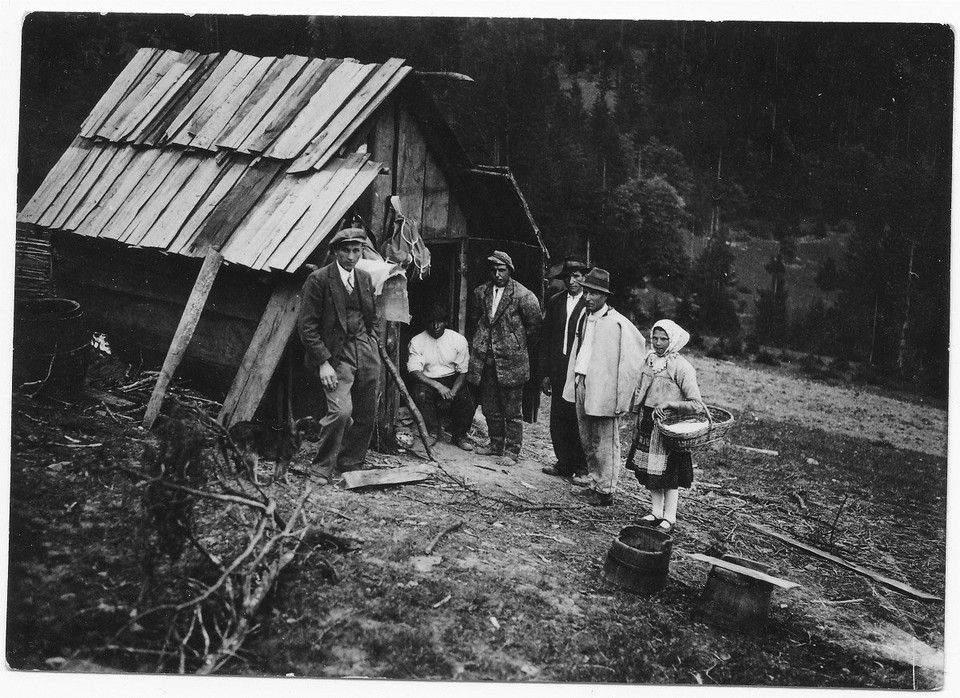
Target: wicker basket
718,424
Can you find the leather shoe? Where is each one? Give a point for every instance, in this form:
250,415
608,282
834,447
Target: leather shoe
580,479
550,470
463,442
489,451
509,459
599,499
665,526
648,520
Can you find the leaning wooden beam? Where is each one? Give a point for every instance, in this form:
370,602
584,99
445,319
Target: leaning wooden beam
184,333
886,581
411,405
263,354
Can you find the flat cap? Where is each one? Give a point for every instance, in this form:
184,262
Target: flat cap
499,257
348,235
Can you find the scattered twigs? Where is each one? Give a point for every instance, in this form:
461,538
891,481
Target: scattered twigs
436,539
836,519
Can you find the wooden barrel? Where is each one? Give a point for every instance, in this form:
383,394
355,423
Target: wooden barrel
735,601
639,560
51,347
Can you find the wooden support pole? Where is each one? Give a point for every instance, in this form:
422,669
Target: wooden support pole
411,405
184,333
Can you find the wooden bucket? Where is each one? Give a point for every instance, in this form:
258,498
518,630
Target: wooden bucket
639,560
735,601
50,345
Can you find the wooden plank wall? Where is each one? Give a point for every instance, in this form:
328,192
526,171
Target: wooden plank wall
139,295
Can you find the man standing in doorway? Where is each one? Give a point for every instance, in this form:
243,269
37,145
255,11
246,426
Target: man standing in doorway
508,322
602,374
561,312
338,326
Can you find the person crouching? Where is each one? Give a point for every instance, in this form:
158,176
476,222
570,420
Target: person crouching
602,373
438,363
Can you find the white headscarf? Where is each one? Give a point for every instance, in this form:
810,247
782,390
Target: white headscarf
678,340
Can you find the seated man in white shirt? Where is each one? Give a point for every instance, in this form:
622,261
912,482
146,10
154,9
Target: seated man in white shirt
438,363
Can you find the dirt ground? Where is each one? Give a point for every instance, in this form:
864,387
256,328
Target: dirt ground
490,573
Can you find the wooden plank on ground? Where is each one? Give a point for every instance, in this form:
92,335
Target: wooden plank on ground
405,475
733,567
751,449
238,202
290,104
323,104
282,259
181,339
270,89
222,118
263,354
886,581
338,133
114,94
178,131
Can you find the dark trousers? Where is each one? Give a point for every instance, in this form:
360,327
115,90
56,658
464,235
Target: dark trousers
460,409
503,409
347,426
564,430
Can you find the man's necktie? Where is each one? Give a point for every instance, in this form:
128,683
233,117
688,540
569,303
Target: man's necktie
350,284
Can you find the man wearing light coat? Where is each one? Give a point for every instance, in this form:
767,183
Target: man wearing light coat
602,374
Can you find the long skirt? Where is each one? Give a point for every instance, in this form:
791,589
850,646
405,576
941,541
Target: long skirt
659,468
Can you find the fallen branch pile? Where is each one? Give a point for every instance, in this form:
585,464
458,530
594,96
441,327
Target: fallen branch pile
204,585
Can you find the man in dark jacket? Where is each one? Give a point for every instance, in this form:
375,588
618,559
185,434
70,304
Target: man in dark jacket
508,321
561,312
338,327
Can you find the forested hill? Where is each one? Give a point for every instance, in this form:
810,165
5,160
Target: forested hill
630,135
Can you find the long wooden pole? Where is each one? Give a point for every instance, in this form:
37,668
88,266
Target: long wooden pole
405,394
184,333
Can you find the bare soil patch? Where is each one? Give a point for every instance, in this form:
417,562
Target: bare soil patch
511,587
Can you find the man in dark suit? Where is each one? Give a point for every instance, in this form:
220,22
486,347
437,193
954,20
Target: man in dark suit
338,327
559,327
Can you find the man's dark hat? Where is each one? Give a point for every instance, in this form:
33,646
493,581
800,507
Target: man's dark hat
570,265
499,257
597,279
348,235
438,312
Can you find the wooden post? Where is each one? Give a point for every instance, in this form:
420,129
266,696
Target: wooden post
184,333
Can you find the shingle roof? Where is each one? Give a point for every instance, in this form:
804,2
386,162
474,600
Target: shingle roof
187,150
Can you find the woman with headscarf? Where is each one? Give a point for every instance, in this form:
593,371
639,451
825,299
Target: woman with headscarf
668,384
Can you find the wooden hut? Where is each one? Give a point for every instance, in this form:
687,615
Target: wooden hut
183,214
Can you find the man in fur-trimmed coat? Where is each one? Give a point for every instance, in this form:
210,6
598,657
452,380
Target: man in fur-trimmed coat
602,374
508,322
